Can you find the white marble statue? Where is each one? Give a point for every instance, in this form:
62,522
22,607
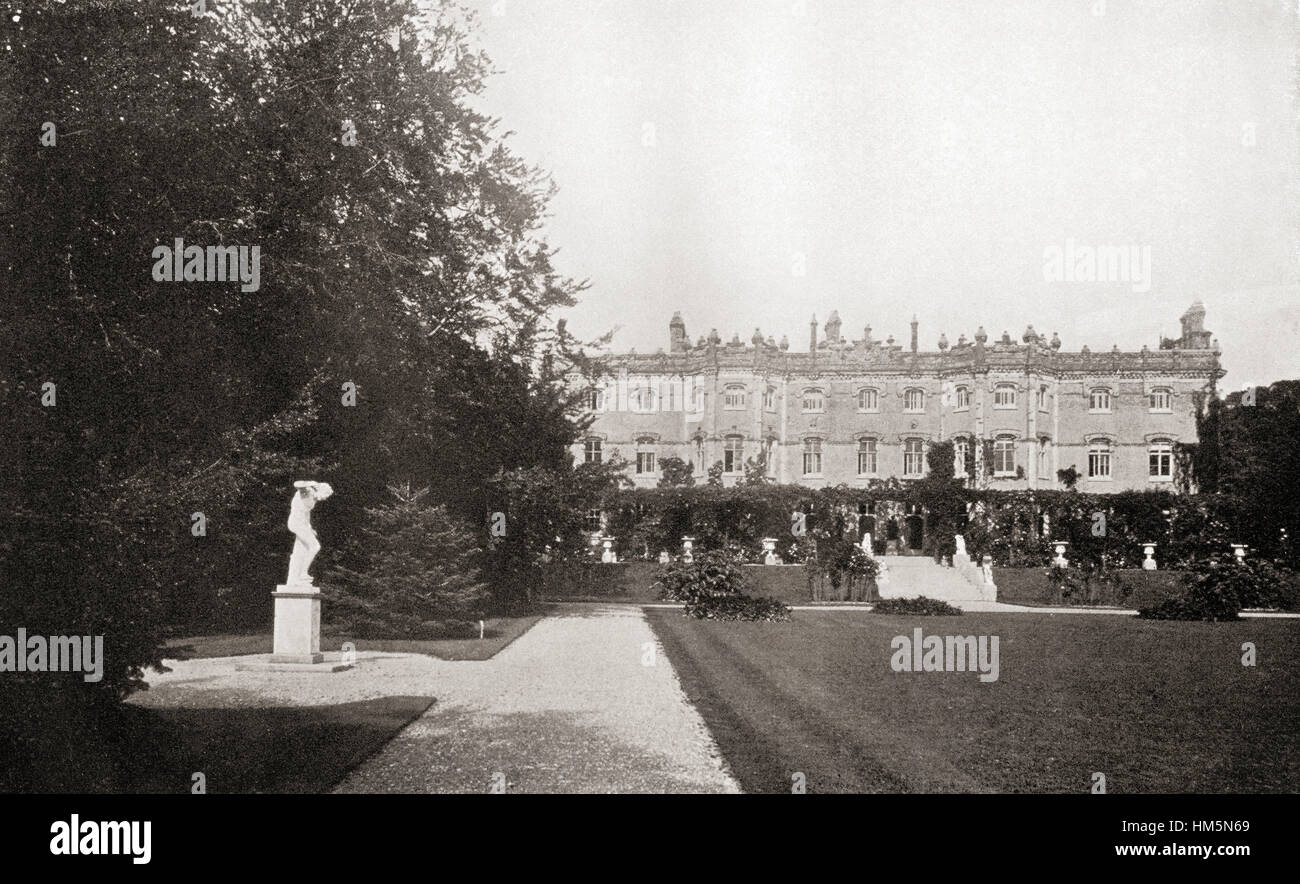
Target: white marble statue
866,545
305,544
961,545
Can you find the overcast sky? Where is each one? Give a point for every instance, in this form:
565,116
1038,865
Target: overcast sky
753,162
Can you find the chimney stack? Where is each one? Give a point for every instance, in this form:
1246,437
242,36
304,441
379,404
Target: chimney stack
913,332
812,335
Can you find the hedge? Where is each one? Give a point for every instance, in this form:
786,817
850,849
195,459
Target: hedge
1016,528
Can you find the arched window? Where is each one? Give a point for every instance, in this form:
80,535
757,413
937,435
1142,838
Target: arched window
868,399
733,454
591,451
1099,399
962,398
1162,399
1004,396
645,456
866,457
812,457
1004,456
769,399
814,400
697,398
1042,397
1099,453
595,399
1160,458
1044,458
913,458
914,400
734,397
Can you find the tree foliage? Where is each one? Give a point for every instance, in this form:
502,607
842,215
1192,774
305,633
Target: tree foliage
401,258
417,574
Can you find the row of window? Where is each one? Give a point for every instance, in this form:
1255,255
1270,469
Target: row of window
1160,457
813,399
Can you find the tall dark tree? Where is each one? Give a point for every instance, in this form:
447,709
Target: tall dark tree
402,327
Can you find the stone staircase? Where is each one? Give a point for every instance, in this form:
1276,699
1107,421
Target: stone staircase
911,576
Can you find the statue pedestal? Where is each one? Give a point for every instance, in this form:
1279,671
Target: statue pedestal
297,624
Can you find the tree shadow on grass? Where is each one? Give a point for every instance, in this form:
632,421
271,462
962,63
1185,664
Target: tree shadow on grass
136,750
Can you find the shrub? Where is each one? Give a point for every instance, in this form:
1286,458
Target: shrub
420,573
1196,603
713,573
737,607
925,607
1211,594
712,587
845,566
1088,584
1217,590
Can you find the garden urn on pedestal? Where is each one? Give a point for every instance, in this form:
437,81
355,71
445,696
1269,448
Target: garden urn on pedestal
1149,563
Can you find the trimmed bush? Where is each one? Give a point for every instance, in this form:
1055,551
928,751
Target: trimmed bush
1088,584
1197,603
737,607
921,605
713,573
1218,590
712,587
838,570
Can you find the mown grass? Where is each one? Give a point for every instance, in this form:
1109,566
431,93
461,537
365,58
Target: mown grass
1155,706
497,634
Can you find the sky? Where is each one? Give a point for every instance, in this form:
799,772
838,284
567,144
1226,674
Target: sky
751,163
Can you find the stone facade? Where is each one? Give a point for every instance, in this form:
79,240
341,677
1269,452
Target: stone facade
846,412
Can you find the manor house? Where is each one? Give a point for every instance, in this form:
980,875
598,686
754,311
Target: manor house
850,411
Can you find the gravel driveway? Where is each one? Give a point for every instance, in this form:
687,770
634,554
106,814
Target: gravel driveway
570,706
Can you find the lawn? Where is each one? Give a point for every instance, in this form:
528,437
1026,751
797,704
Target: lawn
1156,706
126,749
497,633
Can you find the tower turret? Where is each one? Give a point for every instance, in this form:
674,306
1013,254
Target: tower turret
1195,337
677,340
833,328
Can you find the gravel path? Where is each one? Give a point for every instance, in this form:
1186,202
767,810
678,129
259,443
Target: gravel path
570,706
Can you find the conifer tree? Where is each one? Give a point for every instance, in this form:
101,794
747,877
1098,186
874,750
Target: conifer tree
418,572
